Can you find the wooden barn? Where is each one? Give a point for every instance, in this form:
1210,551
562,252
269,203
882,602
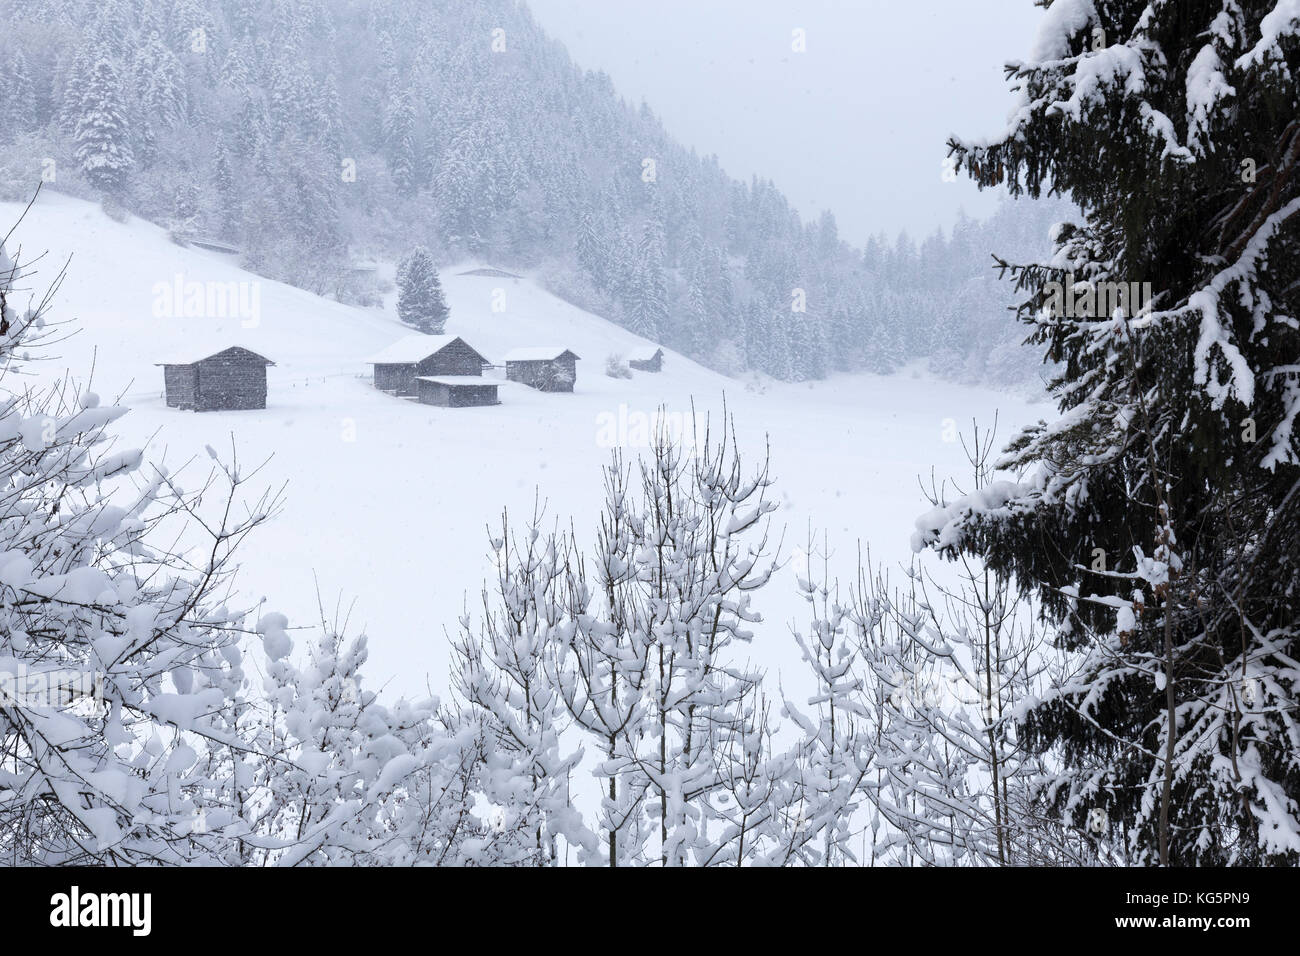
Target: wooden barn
398,366
456,391
230,380
548,369
647,360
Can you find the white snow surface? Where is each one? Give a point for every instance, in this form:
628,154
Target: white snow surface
388,502
1060,24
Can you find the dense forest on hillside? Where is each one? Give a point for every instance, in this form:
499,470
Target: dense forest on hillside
312,133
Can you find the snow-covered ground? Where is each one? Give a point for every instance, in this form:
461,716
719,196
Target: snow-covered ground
388,501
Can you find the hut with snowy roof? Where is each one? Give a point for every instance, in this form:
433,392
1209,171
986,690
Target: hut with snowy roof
546,368
398,366
647,360
230,380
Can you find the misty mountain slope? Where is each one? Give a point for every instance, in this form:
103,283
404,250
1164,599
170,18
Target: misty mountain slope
311,133
388,501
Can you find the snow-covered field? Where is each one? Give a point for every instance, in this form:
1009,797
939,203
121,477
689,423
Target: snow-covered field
388,501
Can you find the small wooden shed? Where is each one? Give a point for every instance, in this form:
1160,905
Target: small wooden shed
398,366
233,379
647,360
546,368
456,391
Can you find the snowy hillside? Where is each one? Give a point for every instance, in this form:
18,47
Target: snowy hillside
388,500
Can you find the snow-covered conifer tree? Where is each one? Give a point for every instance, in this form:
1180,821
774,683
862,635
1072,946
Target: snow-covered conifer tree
103,136
17,96
1153,522
404,160
591,251
647,298
420,300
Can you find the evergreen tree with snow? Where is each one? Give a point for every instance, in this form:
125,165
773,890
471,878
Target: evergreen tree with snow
697,336
17,97
227,193
103,137
157,85
75,81
647,301
591,250
404,163
420,300
1156,516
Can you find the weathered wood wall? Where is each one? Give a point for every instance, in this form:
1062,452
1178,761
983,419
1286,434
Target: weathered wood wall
396,378
180,382
557,375
456,359
457,396
231,383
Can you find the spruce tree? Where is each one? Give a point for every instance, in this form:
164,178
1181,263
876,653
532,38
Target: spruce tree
75,80
420,300
1156,516
647,305
18,106
591,251
227,192
404,162
103,138
698,334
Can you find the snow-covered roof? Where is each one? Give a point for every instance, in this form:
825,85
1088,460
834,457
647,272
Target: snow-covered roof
190,358
413,348
644,354
458,380
538,353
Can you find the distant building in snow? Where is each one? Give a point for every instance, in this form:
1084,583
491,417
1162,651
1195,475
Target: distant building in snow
233,379
214,245
492,273
456,391
647,360
546,368
398,366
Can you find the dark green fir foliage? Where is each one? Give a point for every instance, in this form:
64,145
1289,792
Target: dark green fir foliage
1157,516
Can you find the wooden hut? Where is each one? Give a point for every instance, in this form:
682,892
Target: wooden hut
233,379
456,391
493,273
398,366
548,368
647,360
215,245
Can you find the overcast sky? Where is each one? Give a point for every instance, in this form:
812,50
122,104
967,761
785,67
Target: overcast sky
856,124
